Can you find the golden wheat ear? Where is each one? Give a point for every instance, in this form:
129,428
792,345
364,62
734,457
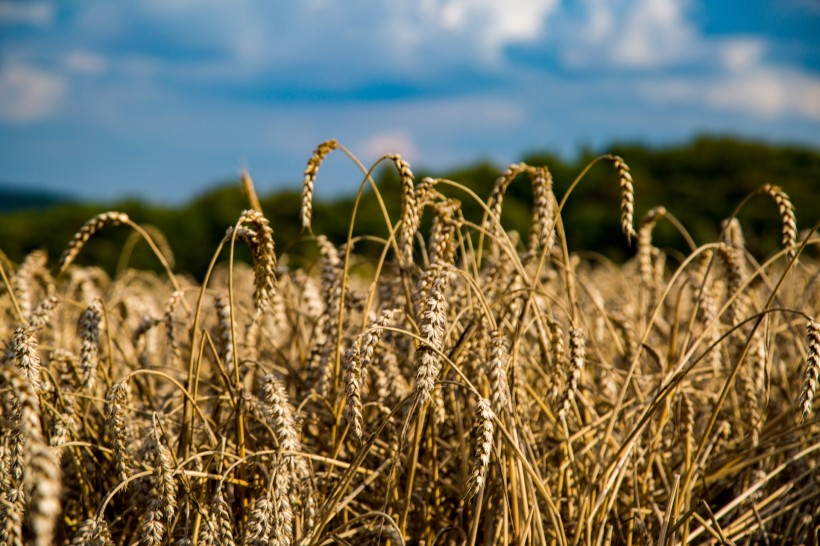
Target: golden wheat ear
311,170
812,375
627,197
788,221
91,227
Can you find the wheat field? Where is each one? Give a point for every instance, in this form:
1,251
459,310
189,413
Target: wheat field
469,385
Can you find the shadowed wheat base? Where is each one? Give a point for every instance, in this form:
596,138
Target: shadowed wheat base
479,388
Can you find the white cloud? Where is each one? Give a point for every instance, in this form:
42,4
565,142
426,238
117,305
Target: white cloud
655,33
767,92
488,23
28,94
741,54
398,141
30,13
760,90
644,34
85,62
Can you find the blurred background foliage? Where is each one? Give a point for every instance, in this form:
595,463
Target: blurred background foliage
700,182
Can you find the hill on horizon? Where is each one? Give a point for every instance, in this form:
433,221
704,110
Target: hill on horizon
16,197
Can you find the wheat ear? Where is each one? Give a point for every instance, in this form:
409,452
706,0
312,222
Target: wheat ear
497,371
23,349
33,264
264,259
116,400
542,232
224,335
645,244
222,515
496,198
812,370
788,221
93,532
89,327
577,355
280,414
431,330
86,232
41,315
164,482
357,359
557,355
733,233
40,470
410,211
11,524
627,197
483,429
311,171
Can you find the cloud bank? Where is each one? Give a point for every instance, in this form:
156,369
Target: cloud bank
447,80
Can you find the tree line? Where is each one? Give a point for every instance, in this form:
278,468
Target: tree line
700,182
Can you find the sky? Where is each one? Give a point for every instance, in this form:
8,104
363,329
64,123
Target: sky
162,99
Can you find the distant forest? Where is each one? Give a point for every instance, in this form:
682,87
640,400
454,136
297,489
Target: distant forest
700,183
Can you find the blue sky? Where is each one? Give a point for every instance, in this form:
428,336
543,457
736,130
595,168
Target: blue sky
161,99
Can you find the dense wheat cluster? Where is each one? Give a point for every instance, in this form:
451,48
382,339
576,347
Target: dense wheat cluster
469,386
